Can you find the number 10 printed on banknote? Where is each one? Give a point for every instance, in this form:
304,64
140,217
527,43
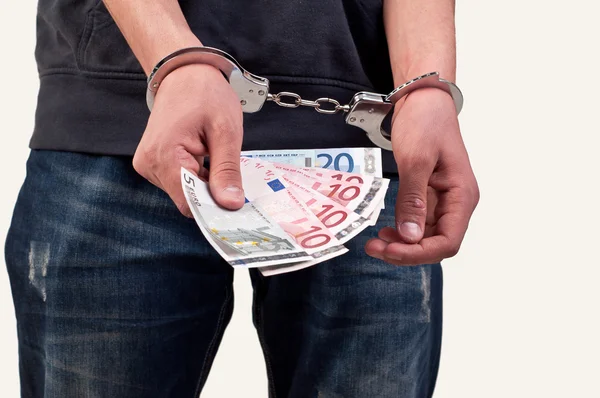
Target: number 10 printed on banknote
294,216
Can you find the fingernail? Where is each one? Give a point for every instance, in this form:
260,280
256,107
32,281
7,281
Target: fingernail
410,230
234,192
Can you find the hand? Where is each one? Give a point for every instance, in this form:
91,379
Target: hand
438,191
195,113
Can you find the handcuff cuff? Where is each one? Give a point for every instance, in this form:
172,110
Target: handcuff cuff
366,110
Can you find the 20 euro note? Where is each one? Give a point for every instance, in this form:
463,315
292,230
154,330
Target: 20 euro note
248,237
365,161
294,157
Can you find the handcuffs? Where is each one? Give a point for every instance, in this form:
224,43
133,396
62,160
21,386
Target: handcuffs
366,110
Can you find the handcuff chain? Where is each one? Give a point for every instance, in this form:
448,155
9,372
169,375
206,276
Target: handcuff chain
316,104
366,110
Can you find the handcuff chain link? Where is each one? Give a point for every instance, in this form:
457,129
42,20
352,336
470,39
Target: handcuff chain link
298,101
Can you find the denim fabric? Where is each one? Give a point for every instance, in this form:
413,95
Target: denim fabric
118,295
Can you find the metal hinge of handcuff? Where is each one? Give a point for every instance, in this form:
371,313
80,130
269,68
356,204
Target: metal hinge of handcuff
366,110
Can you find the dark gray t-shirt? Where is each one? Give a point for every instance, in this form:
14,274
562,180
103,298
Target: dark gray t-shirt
92,88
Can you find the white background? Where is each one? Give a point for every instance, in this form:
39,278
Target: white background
522,297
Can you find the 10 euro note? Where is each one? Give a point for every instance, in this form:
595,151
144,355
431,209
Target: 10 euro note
341,221
332,175
361,194
303,226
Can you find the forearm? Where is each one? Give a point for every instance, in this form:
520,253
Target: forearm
421,38
153,29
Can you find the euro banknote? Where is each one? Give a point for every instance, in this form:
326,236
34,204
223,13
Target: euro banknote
366,161
295,216
248,237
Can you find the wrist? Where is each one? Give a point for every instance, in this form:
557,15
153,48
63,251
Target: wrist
187,75
444,63
446,70
167,45
434,96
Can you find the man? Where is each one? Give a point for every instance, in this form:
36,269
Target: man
118,295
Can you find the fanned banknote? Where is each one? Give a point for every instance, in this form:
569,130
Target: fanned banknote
296,215
332,175
364,161
303,226
362,194
341,221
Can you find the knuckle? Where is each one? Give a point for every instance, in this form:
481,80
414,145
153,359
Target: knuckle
145,159
184,158
476,195
225,169
452,249
419,161
183,208
413,202
140,165
414,161
137,164
224,130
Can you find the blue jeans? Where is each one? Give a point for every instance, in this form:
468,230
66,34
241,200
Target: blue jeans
117,295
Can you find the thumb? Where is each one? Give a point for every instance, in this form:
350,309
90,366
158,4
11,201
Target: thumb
411,203
224,179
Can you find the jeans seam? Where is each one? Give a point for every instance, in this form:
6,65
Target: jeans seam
265,349
210,352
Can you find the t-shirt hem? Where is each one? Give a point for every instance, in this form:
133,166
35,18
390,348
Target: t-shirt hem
107,116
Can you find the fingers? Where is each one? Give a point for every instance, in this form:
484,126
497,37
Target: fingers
171,178
432,165
443,241
225,180
196,113
388,234
376,248
203,172
432,201
411,203
429,251
164,172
